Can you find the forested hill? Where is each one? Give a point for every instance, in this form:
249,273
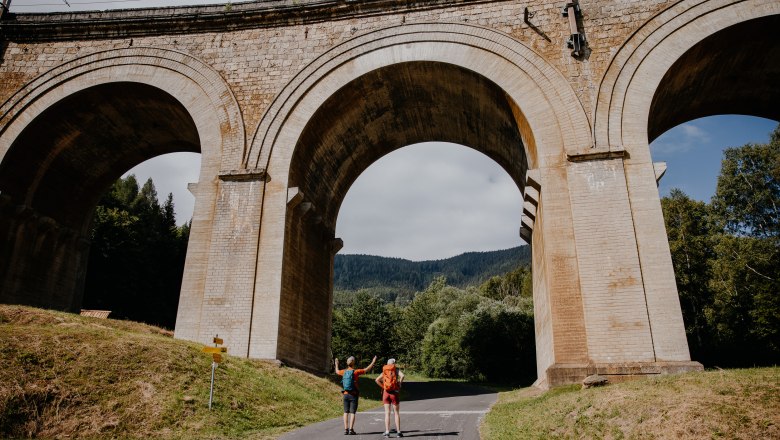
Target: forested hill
353,272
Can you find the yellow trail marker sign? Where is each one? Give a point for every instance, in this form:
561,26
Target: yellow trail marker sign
215,349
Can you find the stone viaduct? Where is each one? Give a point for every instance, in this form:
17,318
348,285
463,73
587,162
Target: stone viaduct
288,101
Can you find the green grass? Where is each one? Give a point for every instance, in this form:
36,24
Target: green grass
64,375
729,404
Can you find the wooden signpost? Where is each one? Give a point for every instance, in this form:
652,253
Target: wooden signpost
216,356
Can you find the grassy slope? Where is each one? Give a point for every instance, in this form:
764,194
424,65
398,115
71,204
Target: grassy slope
63,375
739,404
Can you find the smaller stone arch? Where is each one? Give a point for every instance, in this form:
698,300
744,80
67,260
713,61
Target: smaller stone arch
195,84
629,84
204,95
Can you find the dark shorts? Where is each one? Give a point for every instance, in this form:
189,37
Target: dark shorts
350,403
391,397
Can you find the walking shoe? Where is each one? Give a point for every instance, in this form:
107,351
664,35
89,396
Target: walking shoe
386,434
400,434
352,432
346,432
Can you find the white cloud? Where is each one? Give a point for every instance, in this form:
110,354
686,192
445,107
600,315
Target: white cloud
680,139
694,133
430,201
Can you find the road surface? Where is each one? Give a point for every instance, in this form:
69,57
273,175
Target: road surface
430,410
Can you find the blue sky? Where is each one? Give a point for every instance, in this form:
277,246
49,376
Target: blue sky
693,150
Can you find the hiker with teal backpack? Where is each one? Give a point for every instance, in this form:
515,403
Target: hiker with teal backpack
349,388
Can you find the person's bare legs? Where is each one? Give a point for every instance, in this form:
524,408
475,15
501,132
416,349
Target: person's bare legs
387,417
352,422
345,422
397,418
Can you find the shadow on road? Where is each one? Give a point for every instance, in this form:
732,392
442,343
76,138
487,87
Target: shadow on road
439,389
417,433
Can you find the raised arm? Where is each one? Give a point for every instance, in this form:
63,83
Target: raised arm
336,364
400,378
371,365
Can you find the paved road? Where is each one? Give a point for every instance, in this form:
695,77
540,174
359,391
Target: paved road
430,410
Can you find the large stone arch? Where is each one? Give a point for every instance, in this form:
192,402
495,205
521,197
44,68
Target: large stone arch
169,78
666,73
510,64
558,150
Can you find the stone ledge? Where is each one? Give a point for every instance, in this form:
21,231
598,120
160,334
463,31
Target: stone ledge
255,174
212,18
613,153
565,374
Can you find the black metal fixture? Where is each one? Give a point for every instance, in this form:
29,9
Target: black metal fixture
576,40
527,15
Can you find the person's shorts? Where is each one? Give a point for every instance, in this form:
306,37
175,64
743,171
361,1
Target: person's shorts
350,403
391,397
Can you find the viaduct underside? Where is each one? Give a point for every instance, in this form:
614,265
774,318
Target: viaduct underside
290,101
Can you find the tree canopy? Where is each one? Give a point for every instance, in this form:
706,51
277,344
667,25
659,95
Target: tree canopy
726,257
136,258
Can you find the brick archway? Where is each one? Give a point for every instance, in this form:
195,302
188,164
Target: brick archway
553,129
168,79
635,72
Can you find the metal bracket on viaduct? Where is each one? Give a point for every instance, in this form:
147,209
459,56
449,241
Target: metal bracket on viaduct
288,101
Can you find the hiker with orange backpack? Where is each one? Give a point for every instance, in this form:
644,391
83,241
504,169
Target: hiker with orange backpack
390,380
349,388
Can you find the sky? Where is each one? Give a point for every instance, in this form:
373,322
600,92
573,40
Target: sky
436,200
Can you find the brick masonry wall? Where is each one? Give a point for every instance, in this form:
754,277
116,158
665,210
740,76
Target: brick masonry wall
228,296
306,296
616,317
257,63
47,259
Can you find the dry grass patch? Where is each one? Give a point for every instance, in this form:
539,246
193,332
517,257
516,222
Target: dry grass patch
730,404
68,376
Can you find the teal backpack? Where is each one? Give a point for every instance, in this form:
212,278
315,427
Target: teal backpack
348,381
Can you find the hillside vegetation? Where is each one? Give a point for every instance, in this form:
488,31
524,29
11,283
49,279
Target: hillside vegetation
68,376
397,280
733,404
352,272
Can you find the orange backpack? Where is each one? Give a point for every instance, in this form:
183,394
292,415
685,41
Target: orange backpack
390,378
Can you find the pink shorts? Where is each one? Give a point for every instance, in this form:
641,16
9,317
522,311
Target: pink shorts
390,397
